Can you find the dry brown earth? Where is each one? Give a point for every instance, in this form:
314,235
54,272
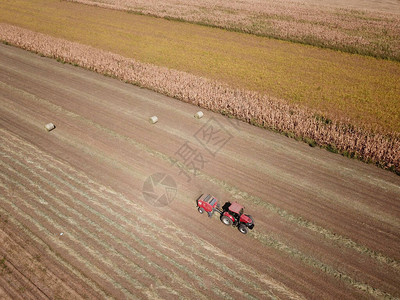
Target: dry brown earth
74,222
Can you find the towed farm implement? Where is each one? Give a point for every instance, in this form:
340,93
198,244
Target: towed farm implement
231,214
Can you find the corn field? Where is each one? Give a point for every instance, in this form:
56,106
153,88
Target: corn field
248,106
349,30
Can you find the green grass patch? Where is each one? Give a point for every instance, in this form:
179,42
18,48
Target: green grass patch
4,269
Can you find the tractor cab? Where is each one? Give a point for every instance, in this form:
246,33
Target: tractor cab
232,214
235,210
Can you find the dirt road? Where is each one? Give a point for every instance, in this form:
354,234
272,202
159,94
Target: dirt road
74,221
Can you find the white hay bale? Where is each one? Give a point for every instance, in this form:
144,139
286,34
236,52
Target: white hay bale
153,119
50,126
199,115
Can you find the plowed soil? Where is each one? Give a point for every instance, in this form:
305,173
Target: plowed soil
75,223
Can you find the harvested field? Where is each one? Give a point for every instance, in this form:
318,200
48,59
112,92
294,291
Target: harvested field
339,86
326,226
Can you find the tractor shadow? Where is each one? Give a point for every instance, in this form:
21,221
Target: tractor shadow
225,207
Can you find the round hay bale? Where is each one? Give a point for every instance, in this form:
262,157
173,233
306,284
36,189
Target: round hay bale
199,115
50,126
153,119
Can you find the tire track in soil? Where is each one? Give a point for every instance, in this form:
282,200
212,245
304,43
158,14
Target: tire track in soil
12,288
17,284
22,286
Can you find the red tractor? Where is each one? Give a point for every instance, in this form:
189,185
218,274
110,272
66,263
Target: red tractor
231,213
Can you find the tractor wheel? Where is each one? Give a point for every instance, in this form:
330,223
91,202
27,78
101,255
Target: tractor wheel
201,210
226,220
243,228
